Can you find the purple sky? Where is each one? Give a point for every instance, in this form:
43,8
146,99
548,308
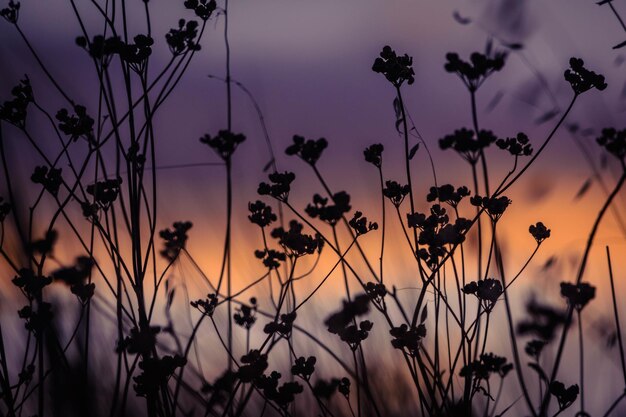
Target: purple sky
308,64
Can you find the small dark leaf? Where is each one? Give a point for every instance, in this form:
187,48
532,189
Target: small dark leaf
583,189
398,123
547,116
549,263
396,108
489,47
413,150
170,297
460,19
572,127
424,314
268,165
514,46
620,45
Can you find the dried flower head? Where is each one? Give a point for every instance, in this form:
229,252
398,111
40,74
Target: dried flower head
203,8
309,150
578,295
374,154
225,143
475,71
581,79
279,187
397,69
517,146
614,141
466,144
539,231
14,111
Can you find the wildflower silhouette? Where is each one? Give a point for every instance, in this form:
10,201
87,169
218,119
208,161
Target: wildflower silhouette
37,320
105,192
408,339
397,69
245,314
49,178
116,185
466,144
254,364
579,295
565,396
271,258
296,243
395,192
12,12
174,240
279,187
203,8
360,225
100,48
324,390
338,321
76,126
76,276
376,292
614,141
486,290
308,150
581,79
474,72
283,327
14,111
261,214
137,54
282,395
206,306
517,146
344,387
329,213
495,206
447,194
374,154
183,39
534,348
45,245
141,341
30,283
487,365
539,231
304,367
224,144
155,373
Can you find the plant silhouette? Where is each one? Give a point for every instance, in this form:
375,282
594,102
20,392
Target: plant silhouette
122,329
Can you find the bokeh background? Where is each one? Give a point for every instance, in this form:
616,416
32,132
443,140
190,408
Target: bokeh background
308,66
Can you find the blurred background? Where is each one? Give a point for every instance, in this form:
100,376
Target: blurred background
308,66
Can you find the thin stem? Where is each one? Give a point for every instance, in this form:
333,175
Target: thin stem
618,327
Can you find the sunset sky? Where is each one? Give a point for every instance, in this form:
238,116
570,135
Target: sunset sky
308,65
